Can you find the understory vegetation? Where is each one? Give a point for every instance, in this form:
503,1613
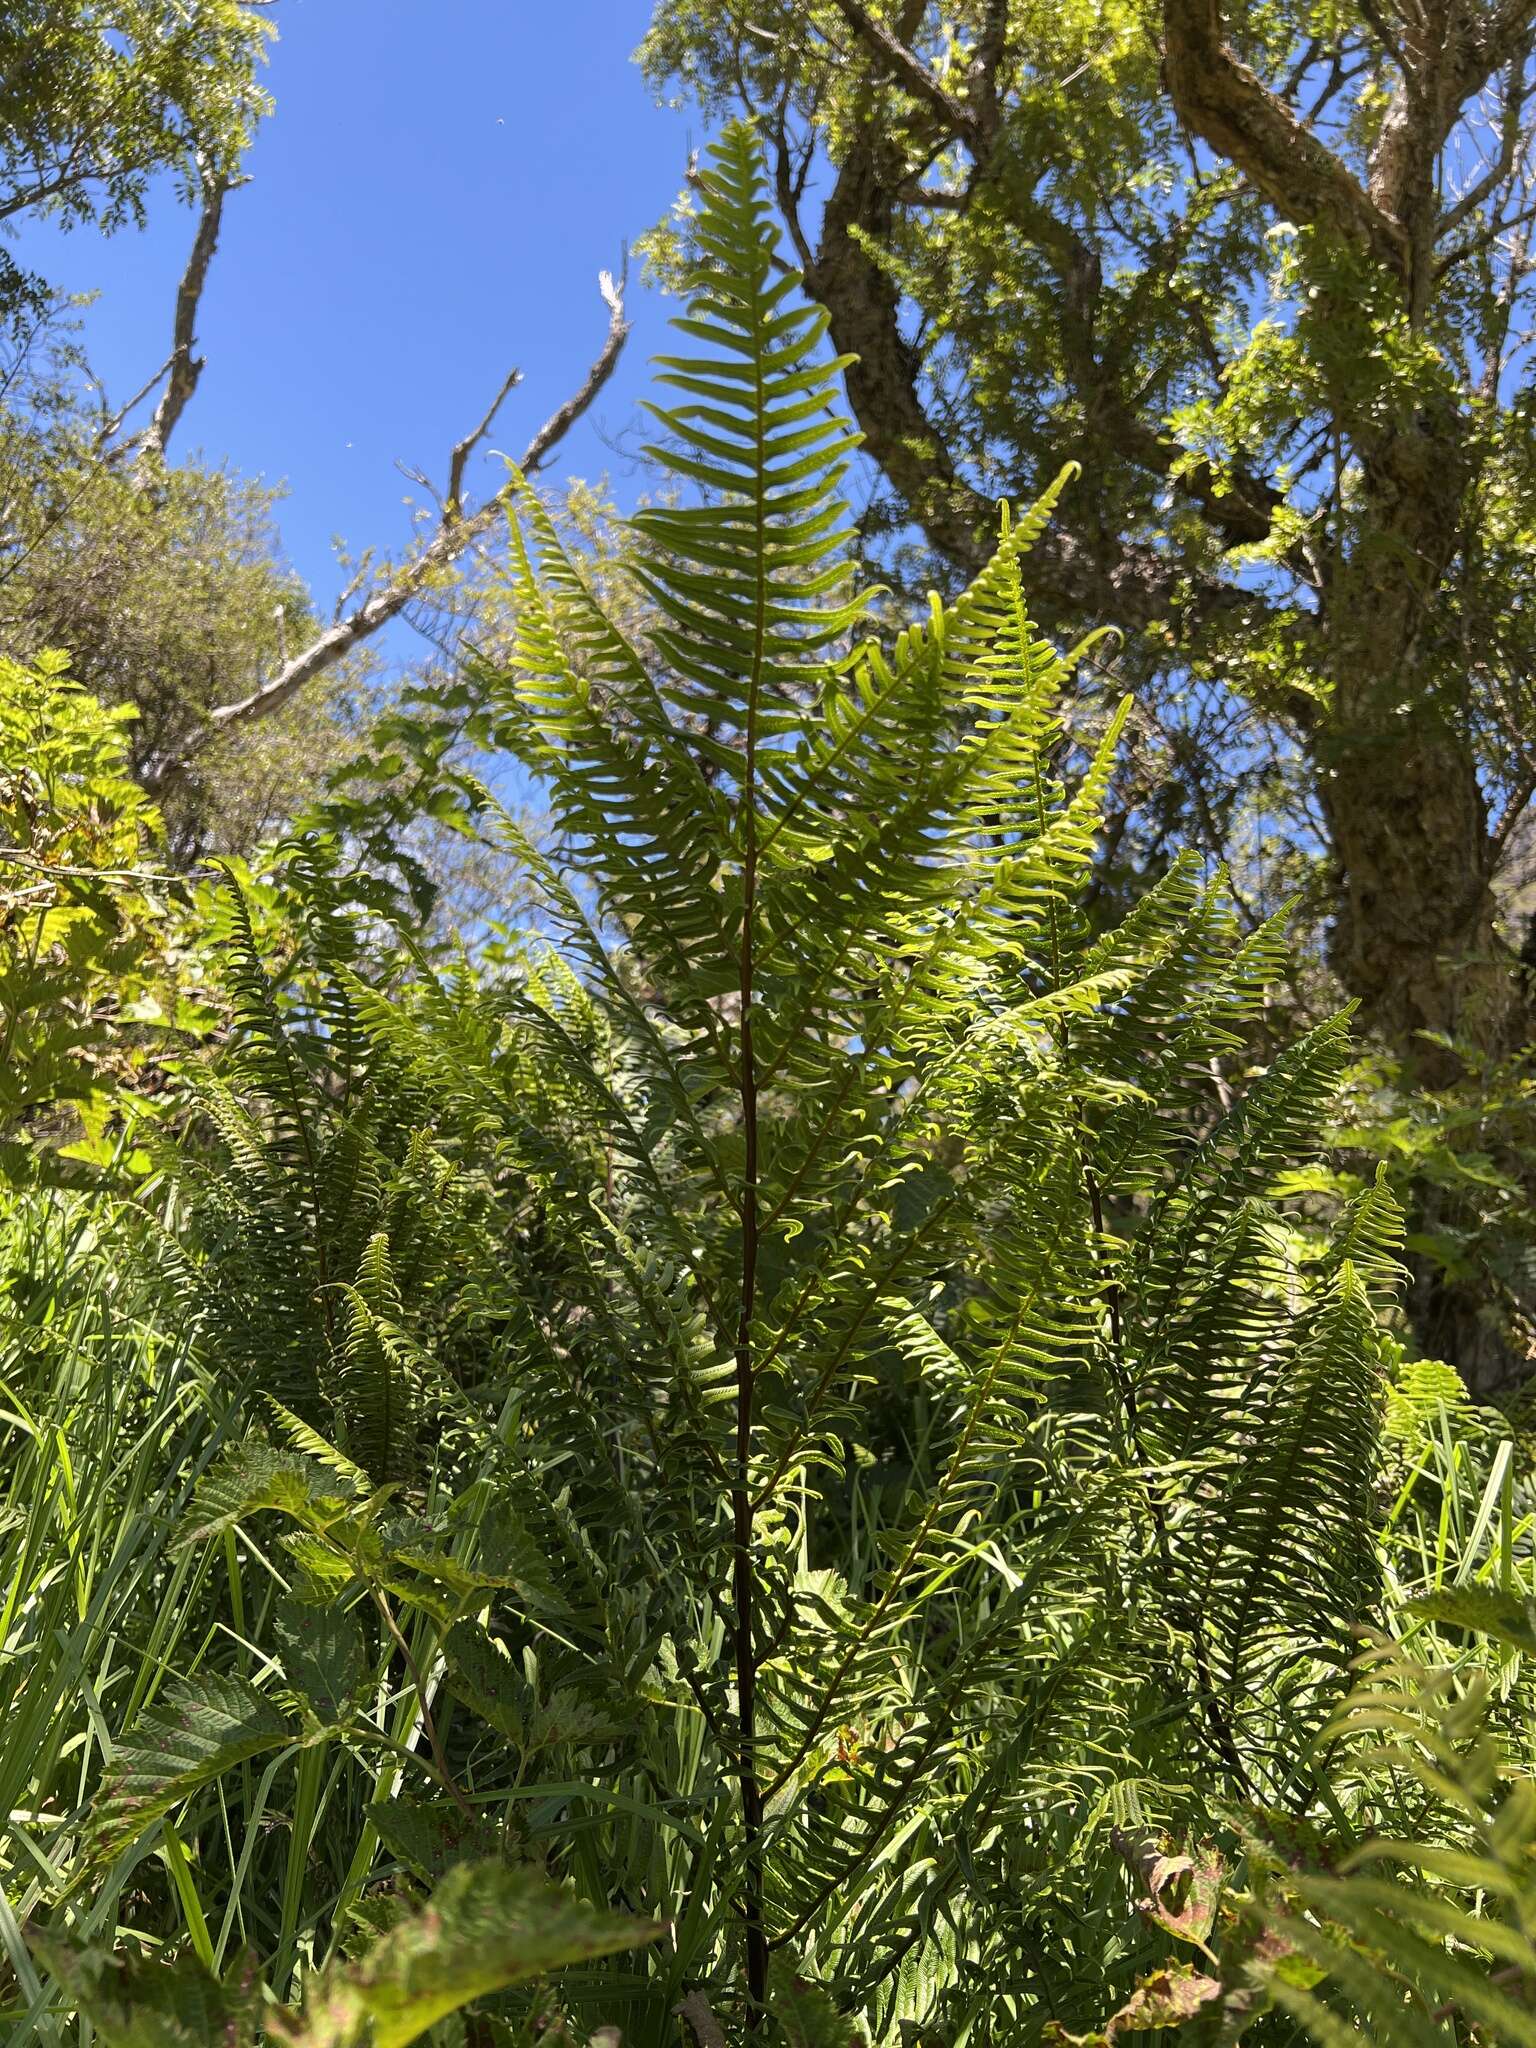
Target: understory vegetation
812,1426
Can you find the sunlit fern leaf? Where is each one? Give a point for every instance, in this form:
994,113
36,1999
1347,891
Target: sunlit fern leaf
311,1444
810,2018
1414,1930
753,583
380,1370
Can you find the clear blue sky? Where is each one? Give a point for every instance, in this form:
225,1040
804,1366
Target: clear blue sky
430,203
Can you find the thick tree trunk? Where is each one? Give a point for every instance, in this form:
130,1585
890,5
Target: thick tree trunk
1416,935
862,301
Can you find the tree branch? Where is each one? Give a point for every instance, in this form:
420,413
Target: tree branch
957,117
186,368
111,425
462,450
1503,164
454,535
1229,107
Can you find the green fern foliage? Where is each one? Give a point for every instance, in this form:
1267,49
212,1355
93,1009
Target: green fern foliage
795,1377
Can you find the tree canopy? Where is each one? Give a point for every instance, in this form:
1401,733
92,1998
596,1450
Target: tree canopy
100,97
1264,274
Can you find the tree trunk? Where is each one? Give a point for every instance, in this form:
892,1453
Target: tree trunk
1416,935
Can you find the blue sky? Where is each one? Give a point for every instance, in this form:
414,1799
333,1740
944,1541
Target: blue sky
430,203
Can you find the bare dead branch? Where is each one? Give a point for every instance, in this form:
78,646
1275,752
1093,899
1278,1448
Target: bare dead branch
1485,238
111,426
185,367
462,450
1506,34
559,424
453,537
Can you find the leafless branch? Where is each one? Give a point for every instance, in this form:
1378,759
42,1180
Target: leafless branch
462,450
1311,51
455,534
559,424
111,426
1503,164
1472,245
355,584
787,194
185,367
1381,28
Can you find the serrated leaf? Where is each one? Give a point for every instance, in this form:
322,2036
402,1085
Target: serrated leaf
323,1656
1165,1999
195,1734
1505,1616
486,1927
253,1478
134,2001
432,1836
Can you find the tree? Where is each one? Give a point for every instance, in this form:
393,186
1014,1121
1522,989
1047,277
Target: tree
166,586
85,924
1266,274
100,97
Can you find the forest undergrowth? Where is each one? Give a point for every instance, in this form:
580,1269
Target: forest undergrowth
795,1445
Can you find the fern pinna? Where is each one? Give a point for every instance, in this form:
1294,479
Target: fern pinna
875,1431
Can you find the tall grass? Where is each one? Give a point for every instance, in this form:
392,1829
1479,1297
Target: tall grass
107,1421
109,1417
